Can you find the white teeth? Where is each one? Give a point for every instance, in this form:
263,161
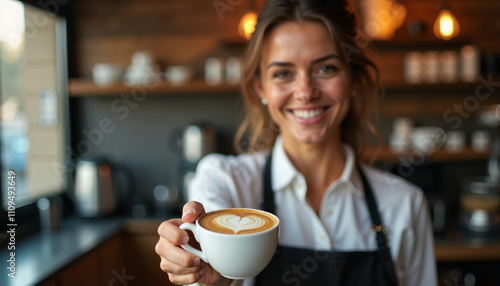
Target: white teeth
307,114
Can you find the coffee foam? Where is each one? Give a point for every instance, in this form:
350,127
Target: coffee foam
237,221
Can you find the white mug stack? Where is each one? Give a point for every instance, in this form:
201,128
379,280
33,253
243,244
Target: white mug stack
448,66
142,70
213,71
217,70
470,63
400,138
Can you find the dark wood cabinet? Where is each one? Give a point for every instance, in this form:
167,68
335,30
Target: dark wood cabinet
139,240
127,258
103,265
84,271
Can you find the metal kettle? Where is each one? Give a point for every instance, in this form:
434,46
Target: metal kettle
95,192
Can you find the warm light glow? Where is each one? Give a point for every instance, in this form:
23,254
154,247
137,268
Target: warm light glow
381,18
446,26
11,29
247,25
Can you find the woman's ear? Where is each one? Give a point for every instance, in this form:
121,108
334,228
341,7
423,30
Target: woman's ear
257,86
355,89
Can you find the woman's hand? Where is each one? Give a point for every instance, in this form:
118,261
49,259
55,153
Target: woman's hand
181,266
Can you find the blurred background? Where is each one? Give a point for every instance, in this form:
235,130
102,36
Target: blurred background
107,106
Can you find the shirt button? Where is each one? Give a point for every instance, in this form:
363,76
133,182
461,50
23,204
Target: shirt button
328,212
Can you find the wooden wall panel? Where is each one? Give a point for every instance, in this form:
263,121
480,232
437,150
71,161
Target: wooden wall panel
479,26
176,32
427,104
188,31
478,22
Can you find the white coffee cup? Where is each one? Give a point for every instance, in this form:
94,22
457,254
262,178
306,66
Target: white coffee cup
178,74
235,256
428,139
105,74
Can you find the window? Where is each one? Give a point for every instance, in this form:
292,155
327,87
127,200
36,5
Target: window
34,103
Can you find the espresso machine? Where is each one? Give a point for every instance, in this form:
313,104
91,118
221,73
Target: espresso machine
480,197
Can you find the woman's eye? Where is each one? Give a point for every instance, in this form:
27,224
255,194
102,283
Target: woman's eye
281,74
327,69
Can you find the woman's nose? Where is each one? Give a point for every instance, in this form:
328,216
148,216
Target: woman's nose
304,89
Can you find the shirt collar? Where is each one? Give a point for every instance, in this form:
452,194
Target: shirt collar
283,172
350,176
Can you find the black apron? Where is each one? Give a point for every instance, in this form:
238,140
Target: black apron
297,266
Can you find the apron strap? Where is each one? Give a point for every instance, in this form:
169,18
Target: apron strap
268,203
377,227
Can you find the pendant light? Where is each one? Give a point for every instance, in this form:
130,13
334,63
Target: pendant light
246,27
446,26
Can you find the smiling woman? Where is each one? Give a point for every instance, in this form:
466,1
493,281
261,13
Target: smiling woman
308,101
258,131
305,81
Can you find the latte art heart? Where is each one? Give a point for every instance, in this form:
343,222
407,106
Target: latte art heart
237,223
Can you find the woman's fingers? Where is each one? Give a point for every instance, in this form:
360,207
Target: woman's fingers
171,232
176,254
191,211
184,279
180,269
181,266
182,275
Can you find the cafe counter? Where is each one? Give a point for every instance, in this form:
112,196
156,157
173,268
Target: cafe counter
103,251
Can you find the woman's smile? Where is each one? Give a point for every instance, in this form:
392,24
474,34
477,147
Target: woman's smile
308,115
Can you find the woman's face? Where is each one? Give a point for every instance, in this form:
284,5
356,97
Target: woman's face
305,82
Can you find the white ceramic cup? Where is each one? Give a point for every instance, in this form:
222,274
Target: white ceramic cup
178,74
105,74
428,139
235,256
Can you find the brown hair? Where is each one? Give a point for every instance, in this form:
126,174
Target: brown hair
257,131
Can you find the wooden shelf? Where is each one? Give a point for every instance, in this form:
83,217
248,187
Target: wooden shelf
460,247
462,251
402,86
416,44
442,155
86,87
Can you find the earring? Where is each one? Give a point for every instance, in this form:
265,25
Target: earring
353,93
263,101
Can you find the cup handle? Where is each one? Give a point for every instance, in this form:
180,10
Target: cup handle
189,248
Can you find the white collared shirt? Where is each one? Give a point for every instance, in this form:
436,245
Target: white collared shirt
343,222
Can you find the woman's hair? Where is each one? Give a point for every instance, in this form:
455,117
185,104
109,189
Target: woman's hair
257,131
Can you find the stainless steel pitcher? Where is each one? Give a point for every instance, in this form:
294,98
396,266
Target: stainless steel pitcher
95,191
